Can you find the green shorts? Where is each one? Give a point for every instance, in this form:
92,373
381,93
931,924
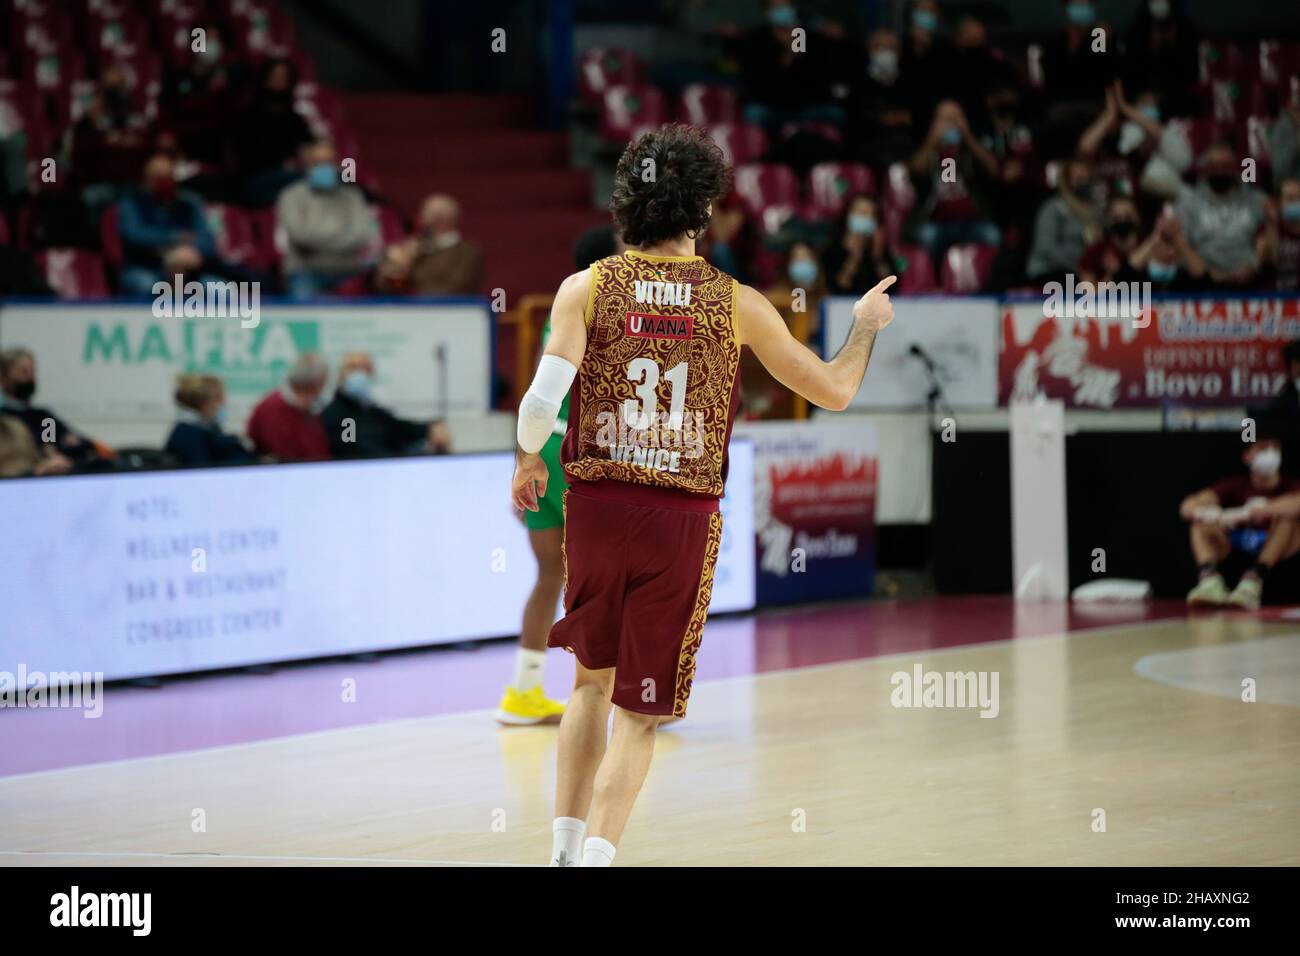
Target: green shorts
550,507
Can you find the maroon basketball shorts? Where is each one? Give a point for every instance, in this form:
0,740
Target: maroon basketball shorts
638,578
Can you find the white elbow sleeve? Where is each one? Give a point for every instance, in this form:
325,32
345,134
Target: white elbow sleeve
541,404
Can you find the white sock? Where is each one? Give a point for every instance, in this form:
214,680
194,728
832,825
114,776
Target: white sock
597,852
528,669
566,841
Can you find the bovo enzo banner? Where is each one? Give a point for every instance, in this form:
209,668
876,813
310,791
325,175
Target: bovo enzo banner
814,508
1189,352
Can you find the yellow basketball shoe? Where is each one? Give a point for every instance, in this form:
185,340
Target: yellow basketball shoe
525,708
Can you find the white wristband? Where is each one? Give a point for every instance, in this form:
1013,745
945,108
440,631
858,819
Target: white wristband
541,403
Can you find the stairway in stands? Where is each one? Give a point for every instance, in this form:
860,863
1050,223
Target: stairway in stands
520,200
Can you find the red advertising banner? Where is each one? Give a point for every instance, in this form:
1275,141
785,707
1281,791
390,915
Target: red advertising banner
1188,352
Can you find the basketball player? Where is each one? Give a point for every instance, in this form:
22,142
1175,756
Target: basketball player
649,341
524,703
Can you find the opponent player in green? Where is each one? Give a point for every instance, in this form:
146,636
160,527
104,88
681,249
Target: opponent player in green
524,702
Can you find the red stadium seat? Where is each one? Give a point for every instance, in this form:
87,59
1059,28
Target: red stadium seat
110,238
628,107
827,131
763,185
774,217
918,277
830,183
740,142
74,273
602,68
236,239
898,199
703,105
391,228
966,268
1220,61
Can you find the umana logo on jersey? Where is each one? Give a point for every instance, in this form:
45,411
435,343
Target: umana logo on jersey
661,326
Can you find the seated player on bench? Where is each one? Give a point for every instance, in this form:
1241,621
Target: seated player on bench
1256,515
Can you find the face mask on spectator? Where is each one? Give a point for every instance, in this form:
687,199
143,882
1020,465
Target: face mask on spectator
782,16
1162,272
861,224
317,405
1159,9
1081,14
220,416
883,64
1151,112
163,190
323,176
1291,211
23,391
1131,136
357,385
924,20
951,136
1267,461
803,272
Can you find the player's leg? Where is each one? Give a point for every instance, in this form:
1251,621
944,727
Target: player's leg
581,747
524,702
618,782
1210,546
1282,541
664,608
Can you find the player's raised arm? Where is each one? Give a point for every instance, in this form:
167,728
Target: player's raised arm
541,403
832,384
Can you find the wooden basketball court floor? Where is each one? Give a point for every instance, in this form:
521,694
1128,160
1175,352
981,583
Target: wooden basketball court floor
1124,744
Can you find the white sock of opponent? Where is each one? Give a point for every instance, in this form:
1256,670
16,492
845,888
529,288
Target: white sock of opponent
566,841
528,669
597,852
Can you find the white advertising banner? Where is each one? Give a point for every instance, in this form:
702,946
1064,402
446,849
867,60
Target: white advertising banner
165,572
119,362
959,335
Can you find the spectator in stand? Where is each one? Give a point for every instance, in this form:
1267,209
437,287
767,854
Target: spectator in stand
197,437
927,59
60,448
802,271
286,423
780,85
1160,55
359,427
20,456
952,172
1121,140
163,231
272,135
1107,259
200,97
107,146
728,239
1166,258
858,256
1253,515
1067,223
437,261
1224,219
1016,180
979,68
1078,66
1284,140
879,107
326,225
1282,238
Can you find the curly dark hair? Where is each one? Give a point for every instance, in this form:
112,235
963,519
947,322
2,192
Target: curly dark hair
689,173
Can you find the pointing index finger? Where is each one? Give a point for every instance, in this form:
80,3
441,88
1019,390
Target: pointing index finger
885,283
